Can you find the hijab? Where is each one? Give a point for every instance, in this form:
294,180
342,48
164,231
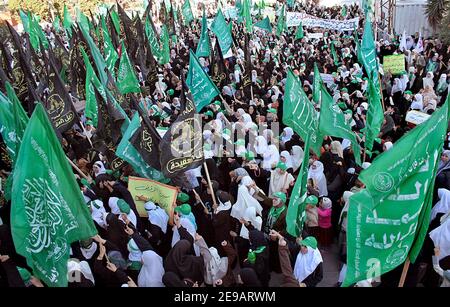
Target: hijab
73,265
443,205
191,229
316,173
112,202
326,203
270,157
307,263
396,87
135,253
244,200
179,261
288,133
297,157
98,211
440,237
216,268
261,145
152,270
102,169
428,80
342,218
250,216
285,154
443,166
157,216
336,148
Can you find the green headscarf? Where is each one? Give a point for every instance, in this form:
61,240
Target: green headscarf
124,207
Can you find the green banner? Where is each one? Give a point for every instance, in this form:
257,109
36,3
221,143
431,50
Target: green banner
395,64
222,31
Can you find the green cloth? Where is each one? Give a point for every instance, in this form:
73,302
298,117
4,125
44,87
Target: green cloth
264,25
389,219
48,211
127,82
24,274
124,207
184,209
203,49
251,256
182,197
281,166
281,196
312,200
310,242
222,31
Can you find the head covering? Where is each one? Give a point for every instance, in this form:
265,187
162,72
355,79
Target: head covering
285,154
102,169
326,203
181,262
288,133
135,253
281,166
216,268
366,165
124,207
249,155
280,195
297,157
261,145
244,200
97,212
157,216
316,173
311,199
270,157
307,263
152,270
336,148
113,205
73,265
343,216
443,205
182,197
388,145
250,216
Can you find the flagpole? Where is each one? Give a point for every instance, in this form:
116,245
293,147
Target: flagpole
404,272
201,202
209,183
78,170
84,130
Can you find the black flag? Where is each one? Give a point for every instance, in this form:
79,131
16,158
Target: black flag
182,145
247,77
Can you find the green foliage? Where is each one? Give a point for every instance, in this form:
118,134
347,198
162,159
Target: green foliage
435,11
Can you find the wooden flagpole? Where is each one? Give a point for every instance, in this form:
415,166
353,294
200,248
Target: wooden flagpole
209,183
78,170
404,272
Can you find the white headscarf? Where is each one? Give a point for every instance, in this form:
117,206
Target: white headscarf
336,148
319,177
443,205
305,264
223,206
74,265
441,238
112,202
285,154
135,253
246,118
101,166
388,145
417,103
97,213
216,268
297,157
250,216
428,80
326,203
244,200
270,157
157,216
152,270
260,145
288,133
396,87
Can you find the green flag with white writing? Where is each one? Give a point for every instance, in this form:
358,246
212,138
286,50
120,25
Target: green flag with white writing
152,39
281,24
296,213
317,82
165,50
299,113
332,122
127,82
334,54
375,114
202,88
299,33
110,52
48,211
388,220
187,12
264,24
203,47
56,24
247,16
223,32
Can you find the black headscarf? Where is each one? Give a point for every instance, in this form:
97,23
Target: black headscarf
249,278
179,261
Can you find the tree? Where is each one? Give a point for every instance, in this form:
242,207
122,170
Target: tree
436,11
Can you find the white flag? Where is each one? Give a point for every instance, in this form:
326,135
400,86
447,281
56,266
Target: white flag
403,42
419,45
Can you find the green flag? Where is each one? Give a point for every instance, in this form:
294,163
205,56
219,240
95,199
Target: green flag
222,31
264,24
37,30
9,125
202,88
368,49
127,82
344,11
290,3
127,152
388,220
32,32
110,52
332,122
281,24
203,49
19,115
67,22
48,212
262,5
299,33
152,39
187,12
56,24
333,53
116,20
247,16
299,113
296,213
375,115
91,110
316,84
165,56
25,20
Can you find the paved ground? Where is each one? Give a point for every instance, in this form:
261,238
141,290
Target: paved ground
330,268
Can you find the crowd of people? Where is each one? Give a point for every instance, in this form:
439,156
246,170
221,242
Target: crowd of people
233,232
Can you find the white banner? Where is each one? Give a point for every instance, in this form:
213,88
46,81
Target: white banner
314,35
293,19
